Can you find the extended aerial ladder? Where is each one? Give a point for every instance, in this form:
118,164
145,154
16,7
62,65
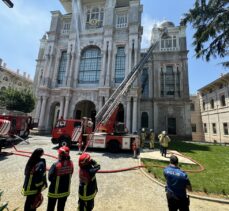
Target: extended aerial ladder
112,103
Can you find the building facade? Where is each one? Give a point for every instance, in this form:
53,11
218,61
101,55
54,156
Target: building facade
214,105
9,78
90,50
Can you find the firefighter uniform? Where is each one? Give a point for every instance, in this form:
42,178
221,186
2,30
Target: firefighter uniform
60,175
88,184
151,139
143,137
164,142
34,183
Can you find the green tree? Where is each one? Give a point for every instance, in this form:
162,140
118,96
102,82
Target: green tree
19,100
210,20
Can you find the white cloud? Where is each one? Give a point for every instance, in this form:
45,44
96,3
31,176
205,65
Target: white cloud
148,24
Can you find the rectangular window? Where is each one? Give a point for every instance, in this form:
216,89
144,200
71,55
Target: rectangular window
205,128
172,126
121,21
62,68
225,128
194,128
120,65
214,131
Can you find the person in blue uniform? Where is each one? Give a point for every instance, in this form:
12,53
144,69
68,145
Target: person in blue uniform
177,182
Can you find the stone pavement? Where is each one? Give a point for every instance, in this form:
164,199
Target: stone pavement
124,191
155,154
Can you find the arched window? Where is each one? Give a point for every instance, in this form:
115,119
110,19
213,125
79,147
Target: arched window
94,18
145,83
212,103
222,100
168,43
90,65
5,78
162,83
144,120
169,81
120,65
204,107
62,68
178,83
192,107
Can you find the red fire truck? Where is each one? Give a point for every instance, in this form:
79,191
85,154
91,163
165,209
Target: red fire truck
113,135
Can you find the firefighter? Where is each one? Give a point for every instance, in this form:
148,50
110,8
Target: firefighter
87,182
164,142
136,146
151,139
35,180
60,175
143,137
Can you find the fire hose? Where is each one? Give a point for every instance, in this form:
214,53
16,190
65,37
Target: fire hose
201,167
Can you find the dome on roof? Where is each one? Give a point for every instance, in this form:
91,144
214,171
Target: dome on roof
167,24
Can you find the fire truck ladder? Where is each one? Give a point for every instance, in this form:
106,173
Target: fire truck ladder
114,100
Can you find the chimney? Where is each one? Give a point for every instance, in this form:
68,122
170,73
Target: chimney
0,62
18,71
24,74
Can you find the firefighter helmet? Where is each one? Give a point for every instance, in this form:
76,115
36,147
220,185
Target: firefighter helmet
84,159
64,151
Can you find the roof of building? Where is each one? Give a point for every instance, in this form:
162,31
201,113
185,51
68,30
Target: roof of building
223,78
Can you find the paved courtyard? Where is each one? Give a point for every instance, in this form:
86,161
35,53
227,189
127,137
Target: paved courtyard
126,191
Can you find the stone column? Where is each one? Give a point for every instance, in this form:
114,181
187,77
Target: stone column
42,114
128,114
67,69
61,107
69,82
38,109
67,99
108,75
103,68
135,114
77,64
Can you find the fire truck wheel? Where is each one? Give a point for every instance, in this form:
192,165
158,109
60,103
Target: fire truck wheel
113,146
64,142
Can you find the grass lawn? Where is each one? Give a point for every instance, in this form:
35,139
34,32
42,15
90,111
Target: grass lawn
214,179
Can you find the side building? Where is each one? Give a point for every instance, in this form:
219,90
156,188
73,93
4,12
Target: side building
9,78
214,104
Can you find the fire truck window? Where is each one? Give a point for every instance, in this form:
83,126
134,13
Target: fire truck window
60,124
77,124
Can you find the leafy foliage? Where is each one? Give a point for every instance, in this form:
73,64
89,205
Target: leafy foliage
20,100
210,19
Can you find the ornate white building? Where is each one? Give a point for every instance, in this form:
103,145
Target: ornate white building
91,49
9,78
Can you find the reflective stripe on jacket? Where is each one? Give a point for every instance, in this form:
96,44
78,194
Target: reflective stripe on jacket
35,181
60,177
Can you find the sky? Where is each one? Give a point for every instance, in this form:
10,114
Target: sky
22,27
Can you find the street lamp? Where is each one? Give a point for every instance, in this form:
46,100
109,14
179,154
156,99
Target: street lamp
8,3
